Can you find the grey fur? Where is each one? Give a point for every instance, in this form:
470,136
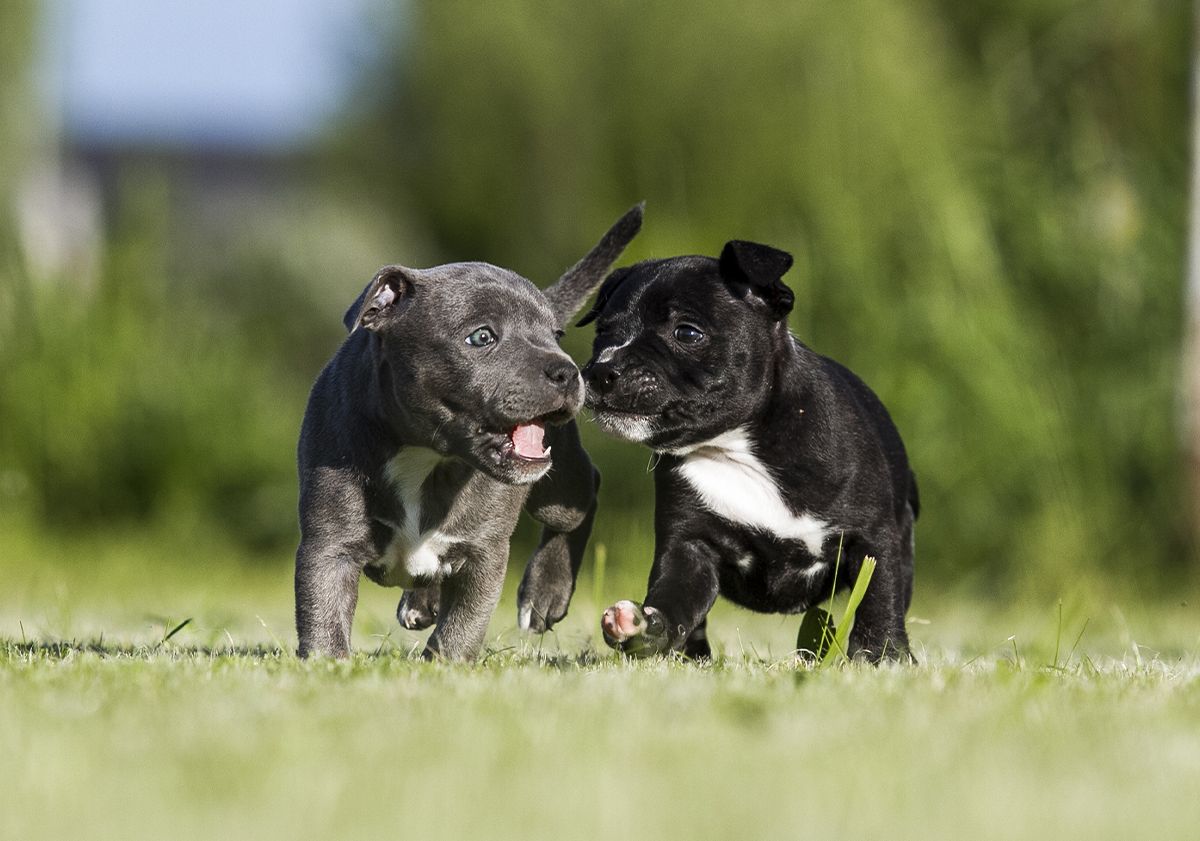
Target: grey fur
407,465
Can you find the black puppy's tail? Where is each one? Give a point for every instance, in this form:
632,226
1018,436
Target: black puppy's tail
569,293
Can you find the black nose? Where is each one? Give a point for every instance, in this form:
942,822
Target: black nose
561,372
601,375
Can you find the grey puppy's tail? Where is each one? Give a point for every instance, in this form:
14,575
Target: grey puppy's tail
569,293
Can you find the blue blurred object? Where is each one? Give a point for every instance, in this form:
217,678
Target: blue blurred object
219,73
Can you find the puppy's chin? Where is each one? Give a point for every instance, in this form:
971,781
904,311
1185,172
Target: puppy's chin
631,427
525,475
512,471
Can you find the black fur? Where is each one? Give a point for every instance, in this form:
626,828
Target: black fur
815,431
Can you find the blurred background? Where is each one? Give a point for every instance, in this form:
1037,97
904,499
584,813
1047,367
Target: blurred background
987,203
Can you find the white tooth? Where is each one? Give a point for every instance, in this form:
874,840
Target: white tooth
547,453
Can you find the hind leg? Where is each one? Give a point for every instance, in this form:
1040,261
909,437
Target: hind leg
907,552
878,632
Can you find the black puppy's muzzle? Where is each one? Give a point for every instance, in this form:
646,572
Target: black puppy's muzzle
601,376
630,389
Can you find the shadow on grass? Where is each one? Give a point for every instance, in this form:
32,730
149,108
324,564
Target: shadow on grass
65,650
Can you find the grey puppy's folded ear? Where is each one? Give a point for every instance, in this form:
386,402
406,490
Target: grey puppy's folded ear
386,294
569,293
753,269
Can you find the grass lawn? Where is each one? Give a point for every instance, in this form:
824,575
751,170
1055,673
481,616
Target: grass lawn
108,731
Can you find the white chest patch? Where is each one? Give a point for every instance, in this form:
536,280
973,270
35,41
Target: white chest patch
734,484
412,553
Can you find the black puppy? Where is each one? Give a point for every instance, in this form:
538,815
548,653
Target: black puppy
774,457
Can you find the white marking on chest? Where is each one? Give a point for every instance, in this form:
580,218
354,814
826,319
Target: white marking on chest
814,569
411,550
734,484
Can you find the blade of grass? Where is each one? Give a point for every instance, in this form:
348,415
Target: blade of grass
856,597
1058,637
1078,638
177,629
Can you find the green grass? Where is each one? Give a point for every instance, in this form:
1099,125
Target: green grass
117,723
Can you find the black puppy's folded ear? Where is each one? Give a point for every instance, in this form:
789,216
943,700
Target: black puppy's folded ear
750,268
606,291
384,296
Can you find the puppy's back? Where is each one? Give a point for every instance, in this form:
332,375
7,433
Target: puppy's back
904,482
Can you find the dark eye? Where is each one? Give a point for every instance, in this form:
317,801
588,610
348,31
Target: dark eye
482,337
689,334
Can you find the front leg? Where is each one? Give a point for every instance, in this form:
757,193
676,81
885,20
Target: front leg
564,501
683,588
335,544
696,646
326,595
469,596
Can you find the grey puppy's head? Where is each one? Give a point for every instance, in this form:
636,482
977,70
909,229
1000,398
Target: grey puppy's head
467,355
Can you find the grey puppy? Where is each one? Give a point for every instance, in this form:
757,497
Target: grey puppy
424,436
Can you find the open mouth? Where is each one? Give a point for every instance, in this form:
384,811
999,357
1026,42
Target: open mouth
525,443
522,447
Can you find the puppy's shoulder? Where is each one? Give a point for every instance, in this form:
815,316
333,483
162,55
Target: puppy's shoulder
338,429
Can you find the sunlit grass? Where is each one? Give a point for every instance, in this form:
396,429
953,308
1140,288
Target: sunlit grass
138,705
161,739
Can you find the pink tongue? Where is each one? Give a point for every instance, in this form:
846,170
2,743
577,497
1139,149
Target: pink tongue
527,440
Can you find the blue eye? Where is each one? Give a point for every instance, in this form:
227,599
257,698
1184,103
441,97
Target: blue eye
689,334
482,337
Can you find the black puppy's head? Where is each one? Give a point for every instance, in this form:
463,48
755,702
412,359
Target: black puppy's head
684,347
468,359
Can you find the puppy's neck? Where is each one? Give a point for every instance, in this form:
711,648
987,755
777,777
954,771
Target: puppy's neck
384,407
787,379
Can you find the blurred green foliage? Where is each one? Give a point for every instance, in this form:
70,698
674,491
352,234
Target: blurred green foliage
136,400
986,202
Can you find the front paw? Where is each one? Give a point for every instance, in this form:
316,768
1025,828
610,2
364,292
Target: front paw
633,629
542,600
418,608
